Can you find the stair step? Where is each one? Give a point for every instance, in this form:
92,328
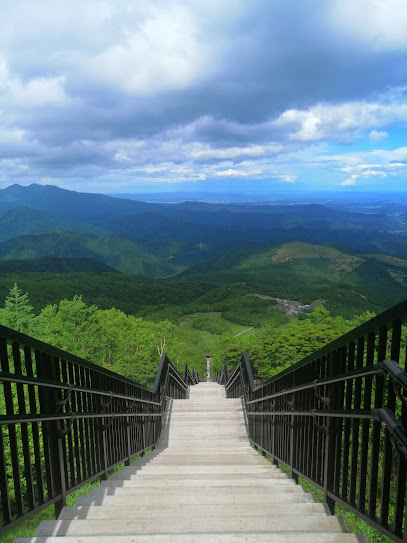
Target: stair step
161,470
226,523
183,511
244,450
219,460
199,483
115,490
142,476
201,538
215,442
189,497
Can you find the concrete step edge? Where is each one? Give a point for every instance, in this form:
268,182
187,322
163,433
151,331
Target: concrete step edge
319,537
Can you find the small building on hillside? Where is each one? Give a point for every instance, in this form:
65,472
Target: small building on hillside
208,357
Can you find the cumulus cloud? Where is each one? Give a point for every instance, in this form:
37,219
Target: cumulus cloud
35,92
375,165
381,24
344,122
165,51
377,135
236,173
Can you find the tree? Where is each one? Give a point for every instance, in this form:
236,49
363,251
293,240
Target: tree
72,326
17,312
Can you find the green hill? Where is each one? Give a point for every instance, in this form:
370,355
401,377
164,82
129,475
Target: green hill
20,221
347,282
54,265
122,254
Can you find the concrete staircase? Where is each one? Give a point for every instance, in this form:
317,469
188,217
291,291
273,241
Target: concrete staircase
204,483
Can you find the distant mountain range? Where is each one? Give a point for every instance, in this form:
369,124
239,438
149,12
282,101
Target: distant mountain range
165,239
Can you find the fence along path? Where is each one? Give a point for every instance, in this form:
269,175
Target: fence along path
203,483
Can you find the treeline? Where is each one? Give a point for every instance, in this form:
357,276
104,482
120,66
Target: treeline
132,345
125,344
127,293
272,349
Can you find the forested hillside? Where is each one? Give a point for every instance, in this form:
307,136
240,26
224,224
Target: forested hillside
194,276
132,345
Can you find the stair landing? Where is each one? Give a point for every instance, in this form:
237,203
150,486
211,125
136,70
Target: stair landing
204,483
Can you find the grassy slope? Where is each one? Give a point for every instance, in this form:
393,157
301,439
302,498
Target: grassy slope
197,342
349,283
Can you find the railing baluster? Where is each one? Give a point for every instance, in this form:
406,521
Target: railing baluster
350,363
4,488
364,446
8,396
24,430
401,477
388,448
356,424
376,431
34,428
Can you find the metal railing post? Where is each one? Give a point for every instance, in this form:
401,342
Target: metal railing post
53,428
127,421
330,439
101,433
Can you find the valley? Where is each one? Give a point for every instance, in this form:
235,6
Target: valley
218,277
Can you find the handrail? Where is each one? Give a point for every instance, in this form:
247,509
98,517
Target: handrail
338,419
398,376
189,377
65,421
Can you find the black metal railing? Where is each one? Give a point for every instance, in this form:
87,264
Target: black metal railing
190,377
65,422
338,419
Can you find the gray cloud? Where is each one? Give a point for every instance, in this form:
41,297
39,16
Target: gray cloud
88,89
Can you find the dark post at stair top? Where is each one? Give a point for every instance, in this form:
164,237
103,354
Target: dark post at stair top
208,366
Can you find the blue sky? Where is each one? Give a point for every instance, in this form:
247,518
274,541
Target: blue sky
114,96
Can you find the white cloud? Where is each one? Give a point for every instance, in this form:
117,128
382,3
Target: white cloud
36,92
376,135
121,156
236,173
288,178
164,52
378,164
350,181
206,152
344,121
381,24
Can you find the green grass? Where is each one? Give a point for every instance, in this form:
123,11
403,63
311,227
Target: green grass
29,527
354,524
196,342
